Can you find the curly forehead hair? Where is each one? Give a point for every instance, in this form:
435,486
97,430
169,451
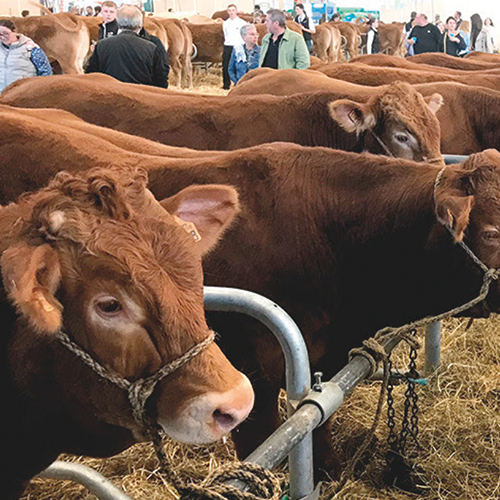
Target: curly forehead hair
8,24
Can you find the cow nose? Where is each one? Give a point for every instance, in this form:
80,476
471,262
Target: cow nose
233,406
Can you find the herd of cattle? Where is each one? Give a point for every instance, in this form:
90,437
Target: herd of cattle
314,188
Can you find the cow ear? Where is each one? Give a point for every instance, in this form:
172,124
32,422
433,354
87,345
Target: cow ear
455,211
352,116
211,208
31,276
435,101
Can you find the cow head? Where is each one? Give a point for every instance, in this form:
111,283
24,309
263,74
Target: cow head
97,256
468,200
397,121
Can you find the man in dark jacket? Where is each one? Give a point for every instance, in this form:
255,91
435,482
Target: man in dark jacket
128,57
424,37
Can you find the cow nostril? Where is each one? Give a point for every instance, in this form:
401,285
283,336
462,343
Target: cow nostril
224,420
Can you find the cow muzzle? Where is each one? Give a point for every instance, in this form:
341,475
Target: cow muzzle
211,416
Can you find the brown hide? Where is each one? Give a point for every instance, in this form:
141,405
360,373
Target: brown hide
483,57
178,56
221,123
383,60
468,116
363,74
93,240
327,43
444,60
209,41
352,36
392,39
155,28
320,223
64,38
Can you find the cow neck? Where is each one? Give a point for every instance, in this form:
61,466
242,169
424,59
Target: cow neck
139,391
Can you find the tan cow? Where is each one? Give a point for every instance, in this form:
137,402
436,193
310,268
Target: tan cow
208,39
383,60
392,38
444,60
352,36
327,42
179,51
363,74
93,266
64,39
395,121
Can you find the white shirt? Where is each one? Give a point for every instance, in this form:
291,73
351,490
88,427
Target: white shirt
231,28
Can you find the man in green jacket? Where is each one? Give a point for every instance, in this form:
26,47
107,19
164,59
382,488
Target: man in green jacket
281,47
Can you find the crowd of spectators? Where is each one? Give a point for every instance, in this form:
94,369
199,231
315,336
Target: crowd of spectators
126,51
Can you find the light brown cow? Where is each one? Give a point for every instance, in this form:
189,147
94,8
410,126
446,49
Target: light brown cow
483,57
395,121
352,36
383,60
468,116
327,42
208,39
363,74
64,39
179,51
94,264
444,60
392,38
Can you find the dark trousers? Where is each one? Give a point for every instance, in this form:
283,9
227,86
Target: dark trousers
226,56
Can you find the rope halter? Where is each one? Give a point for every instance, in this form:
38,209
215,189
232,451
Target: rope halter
139,391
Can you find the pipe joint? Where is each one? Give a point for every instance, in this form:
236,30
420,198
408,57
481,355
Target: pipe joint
328,399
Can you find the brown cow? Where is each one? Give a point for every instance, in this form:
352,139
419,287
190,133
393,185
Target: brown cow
383,60
208,39
468,116
64,39
396,120
94,261
363,74
483,57
331,232
392,38
444,60
327,43
352,36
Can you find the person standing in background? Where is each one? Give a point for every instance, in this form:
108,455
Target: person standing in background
424,37
110,26
452,42
245,57
305,23
232,37
372,37
20,57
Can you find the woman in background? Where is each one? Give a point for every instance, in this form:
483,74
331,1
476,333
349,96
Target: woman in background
20,57
451,42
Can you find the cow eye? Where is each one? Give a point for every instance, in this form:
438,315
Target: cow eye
109,306
402,138
491,235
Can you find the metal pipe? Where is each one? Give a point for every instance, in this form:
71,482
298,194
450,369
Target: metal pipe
451,159
96,483
432,347
298,375
316,408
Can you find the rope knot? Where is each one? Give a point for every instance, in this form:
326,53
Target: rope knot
261,483
373,351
